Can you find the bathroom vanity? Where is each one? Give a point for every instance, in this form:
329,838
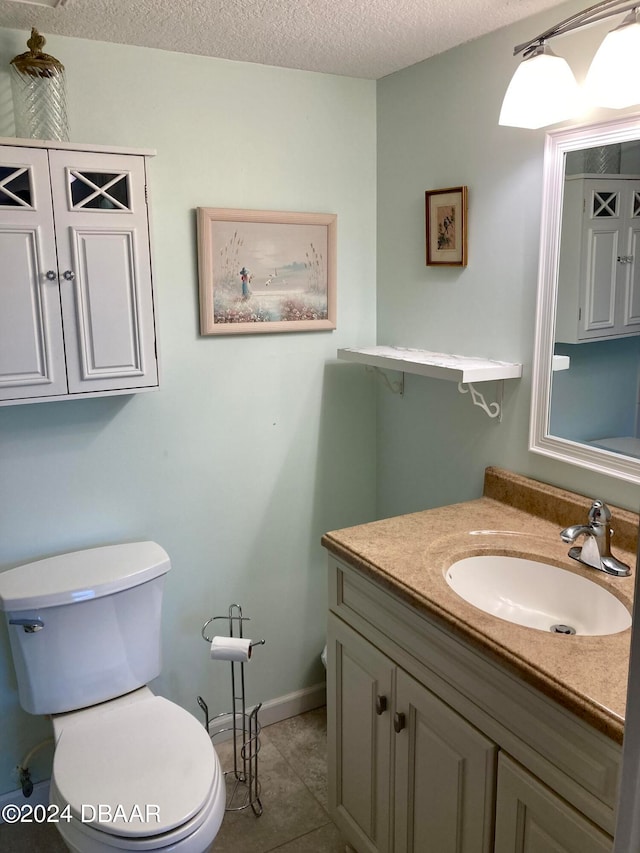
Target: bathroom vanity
453,730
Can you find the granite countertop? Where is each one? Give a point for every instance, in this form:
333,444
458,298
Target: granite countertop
410,554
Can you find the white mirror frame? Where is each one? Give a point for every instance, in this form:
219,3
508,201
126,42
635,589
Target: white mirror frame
558,143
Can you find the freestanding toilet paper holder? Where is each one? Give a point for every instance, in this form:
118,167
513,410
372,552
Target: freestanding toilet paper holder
240,724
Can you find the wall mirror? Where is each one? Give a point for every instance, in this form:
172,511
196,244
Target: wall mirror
585,406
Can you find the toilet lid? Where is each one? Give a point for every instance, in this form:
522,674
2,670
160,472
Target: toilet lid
139,769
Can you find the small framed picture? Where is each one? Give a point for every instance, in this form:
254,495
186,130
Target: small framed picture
446,220
266,271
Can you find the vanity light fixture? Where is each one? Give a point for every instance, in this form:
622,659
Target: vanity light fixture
613,79
543,89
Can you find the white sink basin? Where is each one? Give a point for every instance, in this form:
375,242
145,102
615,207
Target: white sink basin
537,595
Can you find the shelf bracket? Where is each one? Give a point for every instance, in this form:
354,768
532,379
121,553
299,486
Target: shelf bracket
493,410
396,387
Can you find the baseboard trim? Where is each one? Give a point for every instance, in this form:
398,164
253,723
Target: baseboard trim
272,711
298,702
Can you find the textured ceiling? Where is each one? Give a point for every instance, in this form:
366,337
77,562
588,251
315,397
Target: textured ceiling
356,38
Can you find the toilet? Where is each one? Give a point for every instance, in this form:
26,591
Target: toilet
131,770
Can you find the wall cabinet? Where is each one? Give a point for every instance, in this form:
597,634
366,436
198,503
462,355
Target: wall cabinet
434,749
599,268
76,292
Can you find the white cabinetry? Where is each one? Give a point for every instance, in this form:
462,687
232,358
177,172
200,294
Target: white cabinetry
405,754
363,686
532,819
432,747
444,776
76,295
599,268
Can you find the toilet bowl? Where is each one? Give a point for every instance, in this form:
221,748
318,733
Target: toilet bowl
131,770
136,773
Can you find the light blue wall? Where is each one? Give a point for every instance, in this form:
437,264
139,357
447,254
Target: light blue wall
255,445
598,396
438,127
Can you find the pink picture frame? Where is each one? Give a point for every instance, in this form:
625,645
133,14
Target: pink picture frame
264,271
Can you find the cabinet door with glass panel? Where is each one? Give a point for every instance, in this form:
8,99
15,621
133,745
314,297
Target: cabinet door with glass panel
76,303
599,267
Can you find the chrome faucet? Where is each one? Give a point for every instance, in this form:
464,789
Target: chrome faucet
596,550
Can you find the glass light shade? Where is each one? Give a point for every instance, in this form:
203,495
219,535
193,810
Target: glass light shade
613,79
542,91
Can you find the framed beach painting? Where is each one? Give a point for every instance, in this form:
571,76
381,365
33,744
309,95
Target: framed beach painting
446,220
266,271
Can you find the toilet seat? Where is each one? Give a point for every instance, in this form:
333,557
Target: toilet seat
153,774
194,837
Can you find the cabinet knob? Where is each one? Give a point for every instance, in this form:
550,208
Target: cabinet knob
51,275
381,705
398,721
69,275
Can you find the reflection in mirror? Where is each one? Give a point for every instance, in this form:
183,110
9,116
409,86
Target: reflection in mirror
586,403
594,399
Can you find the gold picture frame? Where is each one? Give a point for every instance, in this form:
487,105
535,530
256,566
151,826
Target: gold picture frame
266,271
446,227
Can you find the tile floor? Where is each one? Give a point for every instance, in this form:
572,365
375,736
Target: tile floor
293,778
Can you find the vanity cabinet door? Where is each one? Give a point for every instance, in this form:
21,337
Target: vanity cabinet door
445,776
360,687
530,818
406,772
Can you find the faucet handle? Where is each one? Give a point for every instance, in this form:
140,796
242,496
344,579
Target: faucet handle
599,513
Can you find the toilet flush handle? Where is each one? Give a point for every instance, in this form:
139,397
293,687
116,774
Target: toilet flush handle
30,626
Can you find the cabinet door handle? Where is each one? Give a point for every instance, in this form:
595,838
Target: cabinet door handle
398,721
68,275
381,705
51,275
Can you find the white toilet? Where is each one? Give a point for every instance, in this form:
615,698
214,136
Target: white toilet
131,771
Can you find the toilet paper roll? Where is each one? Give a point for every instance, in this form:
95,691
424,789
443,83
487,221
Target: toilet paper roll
230,648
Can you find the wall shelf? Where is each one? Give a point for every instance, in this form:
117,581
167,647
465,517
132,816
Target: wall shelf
436,365
462,369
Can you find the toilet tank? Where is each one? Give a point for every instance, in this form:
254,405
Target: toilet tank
85,627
